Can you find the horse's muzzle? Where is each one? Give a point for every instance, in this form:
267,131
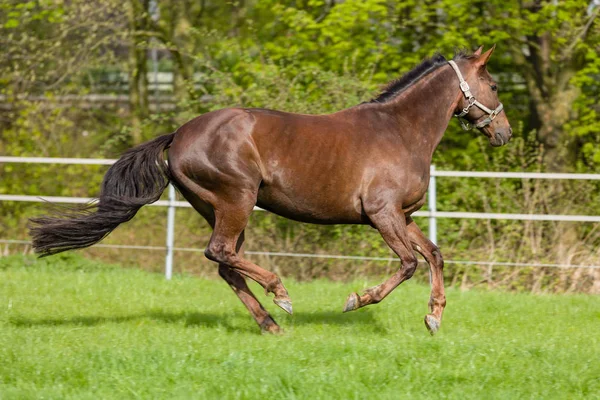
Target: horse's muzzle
500,138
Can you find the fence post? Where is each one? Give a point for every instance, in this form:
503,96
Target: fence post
432,201
170,233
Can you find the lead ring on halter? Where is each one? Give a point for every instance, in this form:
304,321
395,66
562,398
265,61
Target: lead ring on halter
464,86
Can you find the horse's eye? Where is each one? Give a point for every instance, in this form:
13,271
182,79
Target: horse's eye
494,88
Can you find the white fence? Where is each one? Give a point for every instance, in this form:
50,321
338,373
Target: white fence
432,213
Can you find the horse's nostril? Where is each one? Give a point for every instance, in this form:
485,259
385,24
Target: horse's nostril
509,131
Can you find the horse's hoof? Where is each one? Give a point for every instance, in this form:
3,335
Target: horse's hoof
273,329
269,326
285,304
352,303
432,324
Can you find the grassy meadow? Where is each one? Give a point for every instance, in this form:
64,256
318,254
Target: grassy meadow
72,328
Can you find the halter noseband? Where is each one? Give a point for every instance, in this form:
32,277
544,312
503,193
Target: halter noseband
464,86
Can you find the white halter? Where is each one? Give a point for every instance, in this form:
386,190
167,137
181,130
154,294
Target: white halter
464,86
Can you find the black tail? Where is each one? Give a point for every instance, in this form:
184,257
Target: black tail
138,178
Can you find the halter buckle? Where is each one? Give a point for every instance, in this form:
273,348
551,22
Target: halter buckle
464,86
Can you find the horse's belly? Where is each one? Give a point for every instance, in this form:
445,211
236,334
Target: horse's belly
316,208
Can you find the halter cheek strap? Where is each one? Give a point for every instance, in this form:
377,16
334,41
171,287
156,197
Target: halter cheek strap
471,101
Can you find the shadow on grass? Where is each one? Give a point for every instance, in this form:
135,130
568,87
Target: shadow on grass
363,319
208,320
189,319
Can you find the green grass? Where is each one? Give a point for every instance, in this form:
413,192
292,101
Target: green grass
72,328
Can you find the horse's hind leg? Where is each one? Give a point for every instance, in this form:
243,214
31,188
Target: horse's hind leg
234,279
391,224
230,222
433,256
241,289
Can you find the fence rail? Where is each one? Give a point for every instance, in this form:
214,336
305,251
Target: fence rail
432,213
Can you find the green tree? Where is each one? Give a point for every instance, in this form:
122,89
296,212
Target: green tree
138,21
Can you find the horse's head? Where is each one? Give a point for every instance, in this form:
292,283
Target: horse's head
479,104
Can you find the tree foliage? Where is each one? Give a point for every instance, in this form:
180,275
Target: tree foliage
248,52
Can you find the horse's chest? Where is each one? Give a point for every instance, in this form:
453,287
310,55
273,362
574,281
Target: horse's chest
409,185
411,182
411,208
417,187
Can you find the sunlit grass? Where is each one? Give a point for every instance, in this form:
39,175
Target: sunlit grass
72,328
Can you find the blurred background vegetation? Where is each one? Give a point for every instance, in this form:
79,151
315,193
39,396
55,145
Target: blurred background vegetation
91,79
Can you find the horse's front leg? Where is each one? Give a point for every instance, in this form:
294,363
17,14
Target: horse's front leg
391,224
433,256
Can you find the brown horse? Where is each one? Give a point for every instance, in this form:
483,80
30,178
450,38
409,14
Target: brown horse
368,164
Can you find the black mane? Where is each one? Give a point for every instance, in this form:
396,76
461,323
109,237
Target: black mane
399,85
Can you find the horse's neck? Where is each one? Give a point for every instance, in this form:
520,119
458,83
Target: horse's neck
425,109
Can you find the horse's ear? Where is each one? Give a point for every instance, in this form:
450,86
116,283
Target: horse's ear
478,51
483,59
